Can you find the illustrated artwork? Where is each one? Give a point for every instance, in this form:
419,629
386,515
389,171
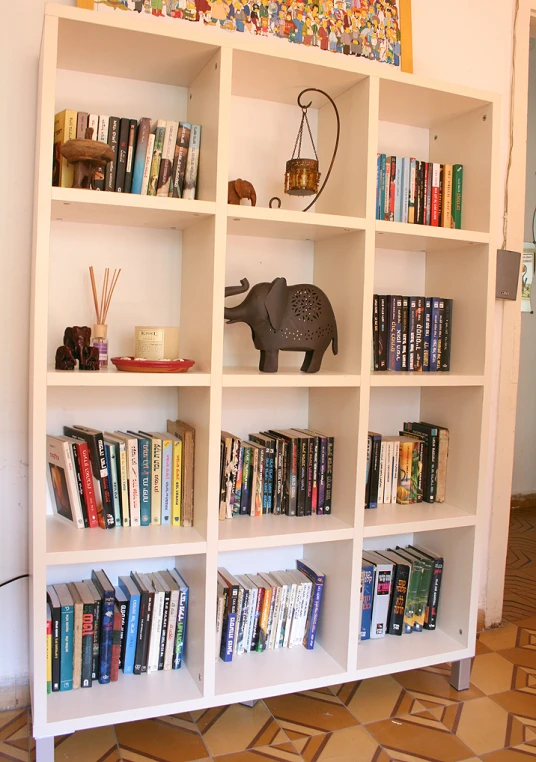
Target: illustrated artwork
285,318
362,28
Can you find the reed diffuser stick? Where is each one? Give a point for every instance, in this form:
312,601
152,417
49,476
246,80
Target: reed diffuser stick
100,329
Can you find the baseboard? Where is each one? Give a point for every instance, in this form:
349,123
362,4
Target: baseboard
526,500
14,693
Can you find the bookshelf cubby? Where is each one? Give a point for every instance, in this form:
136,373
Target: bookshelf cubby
177,256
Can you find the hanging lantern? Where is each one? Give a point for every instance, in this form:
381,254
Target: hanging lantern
302,176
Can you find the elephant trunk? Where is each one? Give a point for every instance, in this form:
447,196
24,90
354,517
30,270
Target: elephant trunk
241,289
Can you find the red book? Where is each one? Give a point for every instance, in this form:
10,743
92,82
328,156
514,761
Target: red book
436,179
87,484
116,644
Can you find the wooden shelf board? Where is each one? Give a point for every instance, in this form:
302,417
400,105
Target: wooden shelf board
126,209
112,377
283,223
404,379
402,236
131,698
275,671
384,656
67,545
287,377
419,517
244,532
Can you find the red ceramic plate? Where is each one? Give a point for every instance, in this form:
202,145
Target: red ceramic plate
132,365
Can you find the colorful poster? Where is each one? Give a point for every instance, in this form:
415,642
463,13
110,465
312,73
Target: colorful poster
527,276
362,28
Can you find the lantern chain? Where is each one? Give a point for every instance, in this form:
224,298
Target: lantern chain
299,137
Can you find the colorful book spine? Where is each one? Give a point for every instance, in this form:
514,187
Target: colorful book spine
105,588
381,210
446,210
133,596
387,192
147,165
87,484
64,130
403,494
436,173
49,649
367,571
144,465
412,190
166,165
378,184
406,189
181,157
428,178
457,193
192,164
399,190
159,130
176,492
142,144
156,481
167,479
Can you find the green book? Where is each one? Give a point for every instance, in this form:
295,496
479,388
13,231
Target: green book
412,589
425,571
67,637
457,192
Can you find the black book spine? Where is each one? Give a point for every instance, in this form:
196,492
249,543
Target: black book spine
447,336
293,474
97,615
309,485
405,331
422,196
181,157
419,333
262,477
79,483
398,600
369,459
88,625
139,667
440,335
123,609
329,475
441,186
113,142
322,469
56,639
417,189
422,470
316,461
376,331
430,619
107,502
277,495
302,477
374,474
382,335
131,150
122,154
163,634
424,458
433,446
398,333
148,625
412,318
429,173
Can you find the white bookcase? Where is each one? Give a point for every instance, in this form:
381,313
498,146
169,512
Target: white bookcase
177,257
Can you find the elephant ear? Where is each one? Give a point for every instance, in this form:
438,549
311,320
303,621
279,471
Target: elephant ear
276,302
240,188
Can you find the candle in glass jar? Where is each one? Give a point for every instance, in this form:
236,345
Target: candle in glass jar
153,342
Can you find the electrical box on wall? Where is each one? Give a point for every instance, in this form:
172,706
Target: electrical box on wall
508,263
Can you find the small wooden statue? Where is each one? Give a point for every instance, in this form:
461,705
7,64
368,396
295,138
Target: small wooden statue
77,346
87,156
239,189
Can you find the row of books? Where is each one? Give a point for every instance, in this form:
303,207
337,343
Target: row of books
287,472
406,469
420,192
122,479
399,591
153,158
411,333
95,629
256,612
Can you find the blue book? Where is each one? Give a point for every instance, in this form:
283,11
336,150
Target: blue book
427,334
434,334
406,172
317,578
398,333
145,446
383,184
107,592
66,637
182,619
132,594
378,185
144,130
367,581
399,179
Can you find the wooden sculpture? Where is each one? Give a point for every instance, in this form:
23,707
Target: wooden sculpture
239,189
77,346
87,156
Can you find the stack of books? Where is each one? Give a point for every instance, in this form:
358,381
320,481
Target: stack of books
151,158
411,333
280,471
419,192
410,468
95,629
399,591
128,478
256,612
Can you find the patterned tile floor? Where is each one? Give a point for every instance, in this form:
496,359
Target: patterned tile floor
410,716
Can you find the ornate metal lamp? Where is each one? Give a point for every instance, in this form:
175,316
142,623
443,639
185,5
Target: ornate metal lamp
302,176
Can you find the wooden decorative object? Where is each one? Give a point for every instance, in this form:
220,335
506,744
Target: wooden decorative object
239,189
288,318
87,156
76,346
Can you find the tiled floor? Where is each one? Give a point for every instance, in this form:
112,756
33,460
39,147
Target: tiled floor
410,716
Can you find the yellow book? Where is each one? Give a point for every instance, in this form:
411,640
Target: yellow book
176,492
64,130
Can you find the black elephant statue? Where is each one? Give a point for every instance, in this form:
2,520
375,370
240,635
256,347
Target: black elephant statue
288,318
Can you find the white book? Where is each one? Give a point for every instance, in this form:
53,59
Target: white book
168,154
166,578
381,475
396,462
131,444
63,482
147,167
295,624
252,618
93,121
156,623
239,607
301,613
291,601
123,477
388,472
283,609
381,596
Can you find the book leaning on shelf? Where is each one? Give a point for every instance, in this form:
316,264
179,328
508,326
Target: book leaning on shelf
124,478
280,471
265,611
411,333
419,192
409,468
400,590
151,157
95,629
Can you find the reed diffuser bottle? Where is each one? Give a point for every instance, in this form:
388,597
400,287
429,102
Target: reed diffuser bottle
100,329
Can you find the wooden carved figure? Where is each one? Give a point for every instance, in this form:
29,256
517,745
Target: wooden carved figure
87,156
288,318
239,189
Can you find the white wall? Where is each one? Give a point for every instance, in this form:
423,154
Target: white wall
524,477
456,41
